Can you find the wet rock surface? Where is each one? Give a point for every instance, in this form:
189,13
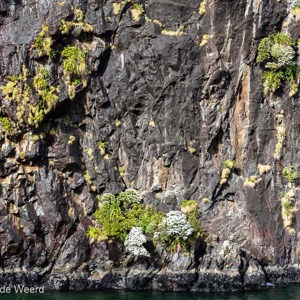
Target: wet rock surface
172,94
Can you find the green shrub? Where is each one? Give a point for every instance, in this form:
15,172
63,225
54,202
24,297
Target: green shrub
272,80
278,55
145,217
266,46
7,126
284,55
229,164
117,215
288,209
94,232
130,196
189,203
289,174
74,61
106,198
112,220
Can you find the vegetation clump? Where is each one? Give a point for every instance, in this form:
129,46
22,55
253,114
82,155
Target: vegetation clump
263,169
174,230
126,216
67,26
295,9
17,90
252,181
118,214
134,242
121,171
102,146
23,90
288,209
202,7
137,11
117,7
43,43
74,68
289,174
48,97
7,127
192,211
278,55
280,134
205,39
227,166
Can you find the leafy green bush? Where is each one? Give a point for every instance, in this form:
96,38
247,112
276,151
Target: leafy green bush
266,46
106,198
117,215
278,55
272,80
145,217
289,174
112,220
7,126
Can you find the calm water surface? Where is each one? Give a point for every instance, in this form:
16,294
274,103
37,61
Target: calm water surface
291,292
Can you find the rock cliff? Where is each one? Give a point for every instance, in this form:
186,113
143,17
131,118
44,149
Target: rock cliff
172,91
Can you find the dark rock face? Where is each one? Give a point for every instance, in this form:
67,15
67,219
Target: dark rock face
172,101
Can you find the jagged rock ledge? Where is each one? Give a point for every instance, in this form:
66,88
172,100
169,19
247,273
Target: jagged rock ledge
153,279
224,267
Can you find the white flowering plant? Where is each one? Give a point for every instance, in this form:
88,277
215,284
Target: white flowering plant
134,242
174,230
129,197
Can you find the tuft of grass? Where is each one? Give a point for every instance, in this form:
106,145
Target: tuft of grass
252,181
202,7
74,68
43,43
289,174
74,61
262,169
137,11
7,127
205,39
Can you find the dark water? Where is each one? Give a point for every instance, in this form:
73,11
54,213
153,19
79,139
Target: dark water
291,292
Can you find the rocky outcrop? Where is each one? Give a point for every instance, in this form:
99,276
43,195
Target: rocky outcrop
173,90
